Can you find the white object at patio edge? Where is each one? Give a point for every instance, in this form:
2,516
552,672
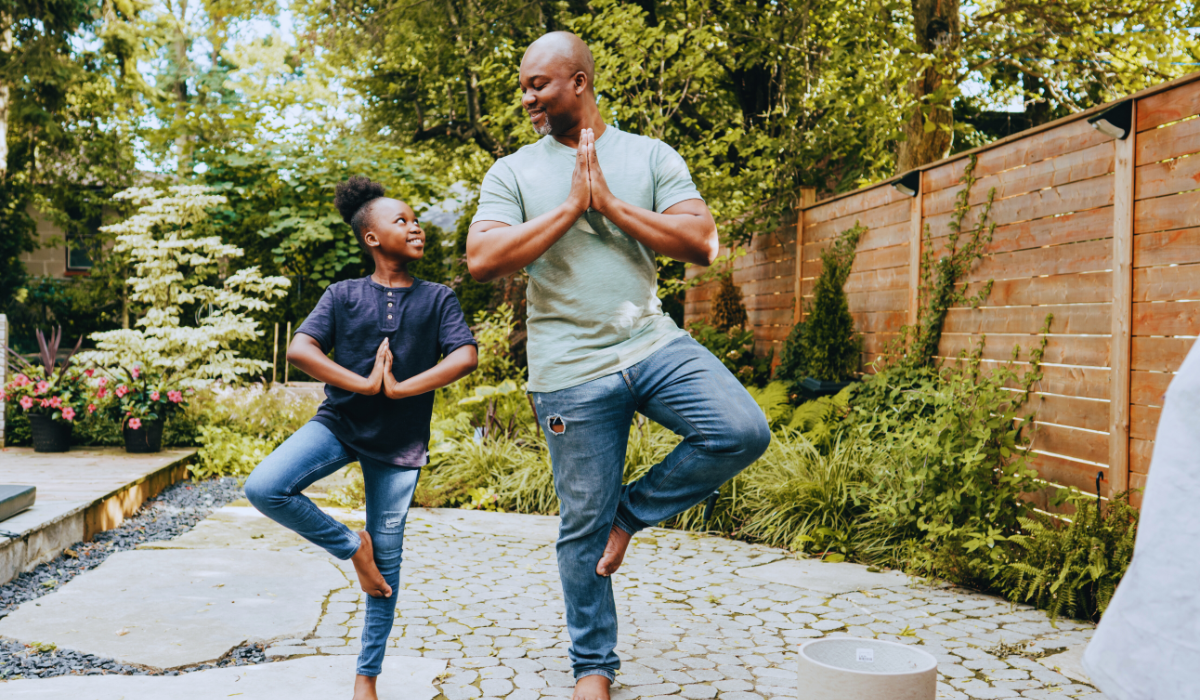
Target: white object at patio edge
848,668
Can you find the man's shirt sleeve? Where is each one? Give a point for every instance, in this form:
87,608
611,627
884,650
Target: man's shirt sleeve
672,180
499,197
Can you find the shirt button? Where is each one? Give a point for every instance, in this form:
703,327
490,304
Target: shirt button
389,304
389,317
389,294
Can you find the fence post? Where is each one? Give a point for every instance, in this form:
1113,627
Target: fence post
1124,197
914,250
808,197
3,369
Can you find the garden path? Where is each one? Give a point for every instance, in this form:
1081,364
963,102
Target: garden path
701,617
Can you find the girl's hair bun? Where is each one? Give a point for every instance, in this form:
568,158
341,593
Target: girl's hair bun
352,195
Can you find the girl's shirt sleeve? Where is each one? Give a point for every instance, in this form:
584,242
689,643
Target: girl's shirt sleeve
454,332
321,324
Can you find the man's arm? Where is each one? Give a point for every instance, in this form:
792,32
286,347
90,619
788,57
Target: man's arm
306,354
496,249
685,231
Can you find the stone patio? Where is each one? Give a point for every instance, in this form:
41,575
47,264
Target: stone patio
701,617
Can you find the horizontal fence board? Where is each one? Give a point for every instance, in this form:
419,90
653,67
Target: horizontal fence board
879,322
1060,170
872,280
1067,138
1166,213
764,271
883,300
1084,288
1088,351
1167,248
1091,319
1071,442
1140,454
1160,354
1069,228
1167,318
1073,197
890,214
1166,283
783,300
1143,421
1072,258
1168,142
874,238
1148,388
1068,411
1171,177
1168,106
867,198
1065,472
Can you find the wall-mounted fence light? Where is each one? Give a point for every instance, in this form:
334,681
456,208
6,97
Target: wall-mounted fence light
1114,121
910,184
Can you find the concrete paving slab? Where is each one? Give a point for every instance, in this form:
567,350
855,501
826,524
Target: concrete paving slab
234,527
824,577
1069,663
171,608
309,678
540,528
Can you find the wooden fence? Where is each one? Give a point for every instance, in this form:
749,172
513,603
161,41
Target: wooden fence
1104,233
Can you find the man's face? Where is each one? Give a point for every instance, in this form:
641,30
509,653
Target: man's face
550,92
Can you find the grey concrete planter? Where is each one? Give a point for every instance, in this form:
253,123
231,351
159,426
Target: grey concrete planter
845,668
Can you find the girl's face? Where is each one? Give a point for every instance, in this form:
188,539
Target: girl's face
395,232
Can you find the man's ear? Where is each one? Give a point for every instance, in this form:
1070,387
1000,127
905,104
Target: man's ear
581,82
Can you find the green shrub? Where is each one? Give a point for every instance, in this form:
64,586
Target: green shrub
1072,566
827,347
241,426
735,349
728,311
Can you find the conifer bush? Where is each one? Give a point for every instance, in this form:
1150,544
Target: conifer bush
728,311
826,346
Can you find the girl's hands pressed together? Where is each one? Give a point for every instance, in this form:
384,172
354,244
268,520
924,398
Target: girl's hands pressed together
391,387
382,368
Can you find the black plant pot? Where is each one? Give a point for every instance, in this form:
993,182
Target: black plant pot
49,435
147,438
816,388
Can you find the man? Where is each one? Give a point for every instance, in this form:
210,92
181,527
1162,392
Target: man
584,211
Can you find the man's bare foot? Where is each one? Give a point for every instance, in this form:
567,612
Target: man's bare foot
364,688
614,553
369,577
592,687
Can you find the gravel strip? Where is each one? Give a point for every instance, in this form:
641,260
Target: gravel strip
173,512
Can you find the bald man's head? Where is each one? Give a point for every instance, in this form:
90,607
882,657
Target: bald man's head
556,82
565,51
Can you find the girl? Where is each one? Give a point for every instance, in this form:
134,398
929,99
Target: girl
387,332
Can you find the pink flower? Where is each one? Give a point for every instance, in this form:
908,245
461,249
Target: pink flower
43,403
122,390
26,403
88,372
135,423
41,388
102,382
55,402
101,393
91,408
175,396
154,396
68,413
136,372
21,380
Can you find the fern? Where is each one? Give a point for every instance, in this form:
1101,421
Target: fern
773,400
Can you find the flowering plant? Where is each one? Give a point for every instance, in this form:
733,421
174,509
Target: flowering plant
133,395
51,389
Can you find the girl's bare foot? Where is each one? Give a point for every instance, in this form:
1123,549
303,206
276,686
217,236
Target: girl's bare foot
614,554
592,687
369,577
364,688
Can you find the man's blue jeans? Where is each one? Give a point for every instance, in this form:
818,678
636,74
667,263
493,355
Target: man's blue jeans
311,453
685,388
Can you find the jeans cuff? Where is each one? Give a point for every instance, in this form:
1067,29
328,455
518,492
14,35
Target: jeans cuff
606,672
626,521
353,542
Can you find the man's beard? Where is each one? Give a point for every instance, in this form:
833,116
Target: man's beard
545,128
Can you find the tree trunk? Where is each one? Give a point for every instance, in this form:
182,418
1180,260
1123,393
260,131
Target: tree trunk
938,31
6,46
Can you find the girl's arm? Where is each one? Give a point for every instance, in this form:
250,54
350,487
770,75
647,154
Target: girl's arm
455,366
305,353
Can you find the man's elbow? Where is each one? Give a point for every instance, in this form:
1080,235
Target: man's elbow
707,254
480,271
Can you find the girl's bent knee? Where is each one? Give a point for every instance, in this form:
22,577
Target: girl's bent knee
261,493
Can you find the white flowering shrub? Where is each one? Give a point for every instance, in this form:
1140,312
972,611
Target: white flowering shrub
173,264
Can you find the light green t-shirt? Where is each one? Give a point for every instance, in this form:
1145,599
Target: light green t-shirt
592,297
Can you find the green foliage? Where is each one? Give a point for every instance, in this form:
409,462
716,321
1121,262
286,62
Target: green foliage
773,400
493,332
735,349
1071,566
828,347
241,426
791,359
728,311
